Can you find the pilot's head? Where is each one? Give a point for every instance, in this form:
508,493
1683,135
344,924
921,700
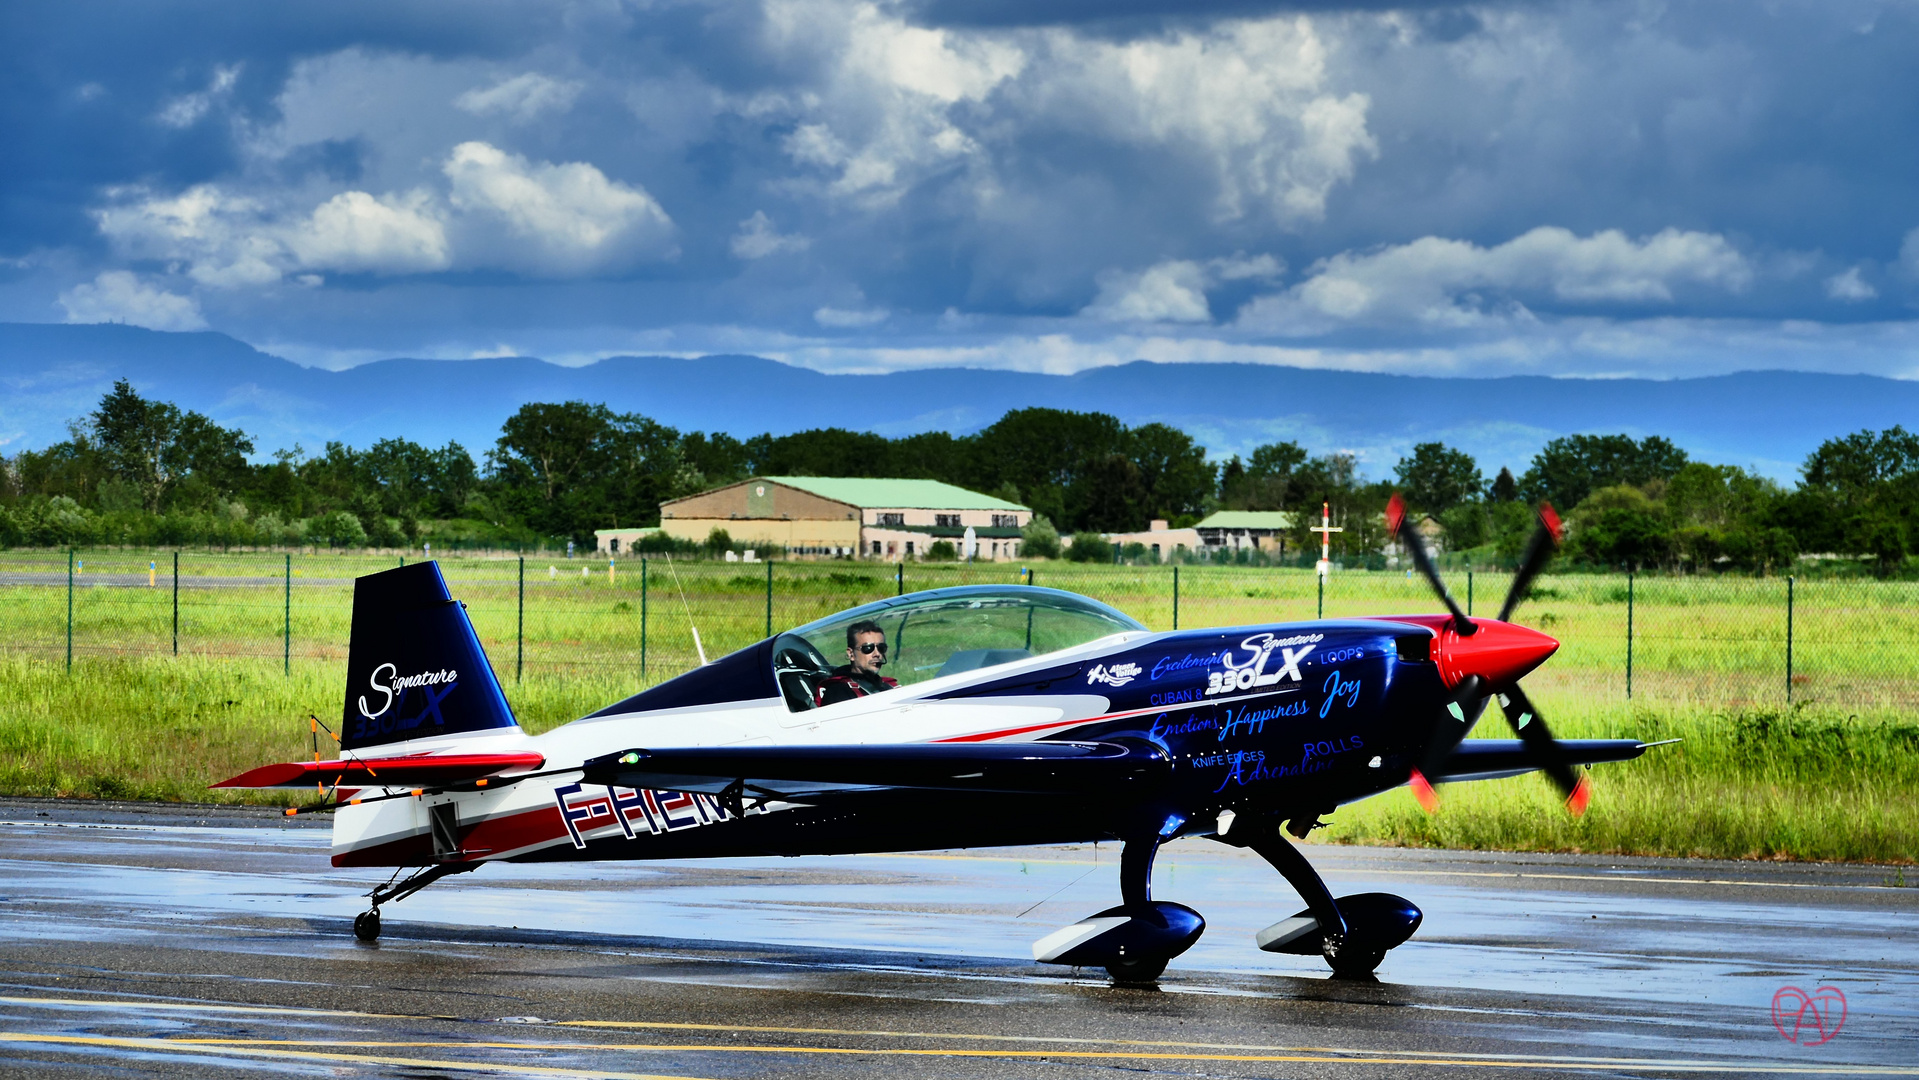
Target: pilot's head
866,647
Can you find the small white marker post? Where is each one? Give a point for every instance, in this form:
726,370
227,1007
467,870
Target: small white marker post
1325,529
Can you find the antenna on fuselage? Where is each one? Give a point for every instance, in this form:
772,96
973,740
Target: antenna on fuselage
681,589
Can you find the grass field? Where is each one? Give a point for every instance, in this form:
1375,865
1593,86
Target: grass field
1829,775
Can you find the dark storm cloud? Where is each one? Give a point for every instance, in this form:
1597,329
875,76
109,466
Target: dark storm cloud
1575,187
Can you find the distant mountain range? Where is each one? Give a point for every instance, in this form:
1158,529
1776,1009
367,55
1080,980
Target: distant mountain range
51,373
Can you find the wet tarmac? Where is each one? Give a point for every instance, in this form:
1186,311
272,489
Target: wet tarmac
147,941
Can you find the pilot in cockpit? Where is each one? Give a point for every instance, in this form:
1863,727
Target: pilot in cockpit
860,675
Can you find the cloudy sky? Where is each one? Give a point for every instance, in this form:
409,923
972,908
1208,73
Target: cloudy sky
1560,188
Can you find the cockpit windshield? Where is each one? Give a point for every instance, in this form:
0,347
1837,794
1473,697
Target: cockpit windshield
929,634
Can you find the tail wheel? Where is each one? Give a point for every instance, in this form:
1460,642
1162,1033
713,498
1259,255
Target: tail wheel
366,925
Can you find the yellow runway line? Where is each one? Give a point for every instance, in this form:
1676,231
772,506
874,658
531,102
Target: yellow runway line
1323,1058
176,1047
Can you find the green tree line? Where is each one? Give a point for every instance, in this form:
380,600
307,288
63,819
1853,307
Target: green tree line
139,471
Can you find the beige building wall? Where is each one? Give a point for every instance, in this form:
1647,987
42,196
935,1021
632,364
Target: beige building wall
757,500
757,531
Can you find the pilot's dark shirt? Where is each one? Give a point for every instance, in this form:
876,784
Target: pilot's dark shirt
845,684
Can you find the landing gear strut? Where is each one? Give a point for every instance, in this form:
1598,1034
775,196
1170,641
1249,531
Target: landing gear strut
1352,933
1135,940
366,925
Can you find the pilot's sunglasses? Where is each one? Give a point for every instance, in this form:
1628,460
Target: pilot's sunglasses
869,647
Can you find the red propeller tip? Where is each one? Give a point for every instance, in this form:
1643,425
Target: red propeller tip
1581,796
1549,518
1395,514
1423,791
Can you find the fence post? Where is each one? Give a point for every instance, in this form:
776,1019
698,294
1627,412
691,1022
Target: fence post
69,610
1322,596
286,656
1175,597
1789,590
176,603
899,578
1629,584
519,628
1029,577
642,620
1469,591
769,598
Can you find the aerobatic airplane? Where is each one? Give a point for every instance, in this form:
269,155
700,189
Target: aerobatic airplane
1021,715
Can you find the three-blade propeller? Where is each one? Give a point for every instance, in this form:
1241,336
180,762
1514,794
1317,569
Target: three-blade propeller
1460,710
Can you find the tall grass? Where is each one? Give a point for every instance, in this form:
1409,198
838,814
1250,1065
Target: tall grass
1804,783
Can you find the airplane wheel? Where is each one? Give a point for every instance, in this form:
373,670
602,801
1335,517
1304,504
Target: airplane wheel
366,925
1350,962
1137,972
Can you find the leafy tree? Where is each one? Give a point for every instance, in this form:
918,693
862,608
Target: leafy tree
1173,470
1039,539
1090,547
1265,481
151,445
1619,526
1568,469
1504,488
1436,477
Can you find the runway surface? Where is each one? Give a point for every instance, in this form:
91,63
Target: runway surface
187,942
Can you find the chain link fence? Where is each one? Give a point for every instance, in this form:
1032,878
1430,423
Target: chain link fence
1713,641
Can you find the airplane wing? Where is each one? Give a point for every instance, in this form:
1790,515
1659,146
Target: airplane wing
1491,759
412,770
798,772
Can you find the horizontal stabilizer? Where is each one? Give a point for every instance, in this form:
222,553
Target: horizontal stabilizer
413,771
1063,768
1490,759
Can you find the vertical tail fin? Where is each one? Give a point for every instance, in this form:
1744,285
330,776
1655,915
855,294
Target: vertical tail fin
415,669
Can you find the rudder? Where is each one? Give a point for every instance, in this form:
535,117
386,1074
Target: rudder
415,668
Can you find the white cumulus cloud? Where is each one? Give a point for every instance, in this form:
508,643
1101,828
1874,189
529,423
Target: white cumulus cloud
1850,286
119,296
187,109
521,98
1441,282
561,219
757,239
1248,97
1173,290
844,318
356,231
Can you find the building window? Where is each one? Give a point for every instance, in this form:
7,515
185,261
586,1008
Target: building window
946,521
1005,521
876,547
894,519
613,545
909,547
891,547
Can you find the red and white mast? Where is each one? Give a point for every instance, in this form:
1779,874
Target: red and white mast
1325,530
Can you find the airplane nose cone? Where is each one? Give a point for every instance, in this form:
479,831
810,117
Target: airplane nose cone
1500,653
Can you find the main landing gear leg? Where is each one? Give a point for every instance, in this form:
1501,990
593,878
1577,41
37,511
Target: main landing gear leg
1135,940
366,925
1353,933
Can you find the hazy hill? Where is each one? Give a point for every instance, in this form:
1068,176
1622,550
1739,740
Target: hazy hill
50,373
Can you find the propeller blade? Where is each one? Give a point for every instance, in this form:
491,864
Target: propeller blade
1543,749
1454,722
1397,525
1539,551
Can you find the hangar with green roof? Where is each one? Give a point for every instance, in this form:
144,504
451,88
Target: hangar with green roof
839,516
